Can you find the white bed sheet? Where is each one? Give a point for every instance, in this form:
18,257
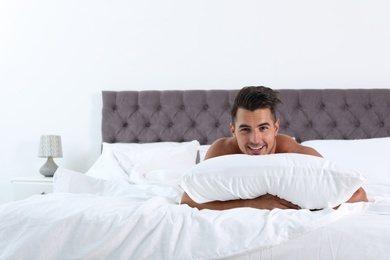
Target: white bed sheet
365,235
118,220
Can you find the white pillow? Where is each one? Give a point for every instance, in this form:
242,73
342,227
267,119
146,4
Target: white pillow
202,150
152,159
307,181
106,167
368,156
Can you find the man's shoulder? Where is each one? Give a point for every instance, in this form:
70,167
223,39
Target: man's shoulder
223,146
284,138
285,144
226,143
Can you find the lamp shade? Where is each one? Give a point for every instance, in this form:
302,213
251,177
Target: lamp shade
50,146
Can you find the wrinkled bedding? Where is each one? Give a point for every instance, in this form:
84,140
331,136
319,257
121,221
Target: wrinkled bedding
90,218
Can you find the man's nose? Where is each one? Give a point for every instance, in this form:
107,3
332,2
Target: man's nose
256,137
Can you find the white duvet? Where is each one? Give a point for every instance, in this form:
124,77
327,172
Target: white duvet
89,218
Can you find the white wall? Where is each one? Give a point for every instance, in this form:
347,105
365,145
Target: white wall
57,56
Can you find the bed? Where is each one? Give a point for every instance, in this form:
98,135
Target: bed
127,205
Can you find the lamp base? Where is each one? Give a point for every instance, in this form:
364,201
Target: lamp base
49,168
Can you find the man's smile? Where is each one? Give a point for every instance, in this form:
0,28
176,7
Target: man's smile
256,149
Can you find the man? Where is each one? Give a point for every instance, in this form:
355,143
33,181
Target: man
255,129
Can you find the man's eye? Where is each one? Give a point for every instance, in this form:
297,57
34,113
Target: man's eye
244,129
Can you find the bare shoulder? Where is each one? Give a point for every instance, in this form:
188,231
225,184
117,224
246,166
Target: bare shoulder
223,146
286,144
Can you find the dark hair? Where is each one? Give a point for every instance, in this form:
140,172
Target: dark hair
255,97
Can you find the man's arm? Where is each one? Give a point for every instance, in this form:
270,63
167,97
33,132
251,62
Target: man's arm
263,202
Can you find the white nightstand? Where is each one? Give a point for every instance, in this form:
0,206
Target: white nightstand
26,187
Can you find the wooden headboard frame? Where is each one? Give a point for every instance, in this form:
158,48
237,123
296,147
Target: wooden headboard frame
185,115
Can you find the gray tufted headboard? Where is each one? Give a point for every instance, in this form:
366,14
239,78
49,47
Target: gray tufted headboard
184,115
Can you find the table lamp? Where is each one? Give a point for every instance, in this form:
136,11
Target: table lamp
49,147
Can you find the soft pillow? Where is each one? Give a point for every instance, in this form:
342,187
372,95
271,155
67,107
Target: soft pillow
368,156
307,181
106,167
152,159
202,150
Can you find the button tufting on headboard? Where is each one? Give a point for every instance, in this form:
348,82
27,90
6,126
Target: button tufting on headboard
177,115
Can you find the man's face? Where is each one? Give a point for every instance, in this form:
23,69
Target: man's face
255,131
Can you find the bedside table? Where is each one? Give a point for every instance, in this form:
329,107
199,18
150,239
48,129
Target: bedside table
26,187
